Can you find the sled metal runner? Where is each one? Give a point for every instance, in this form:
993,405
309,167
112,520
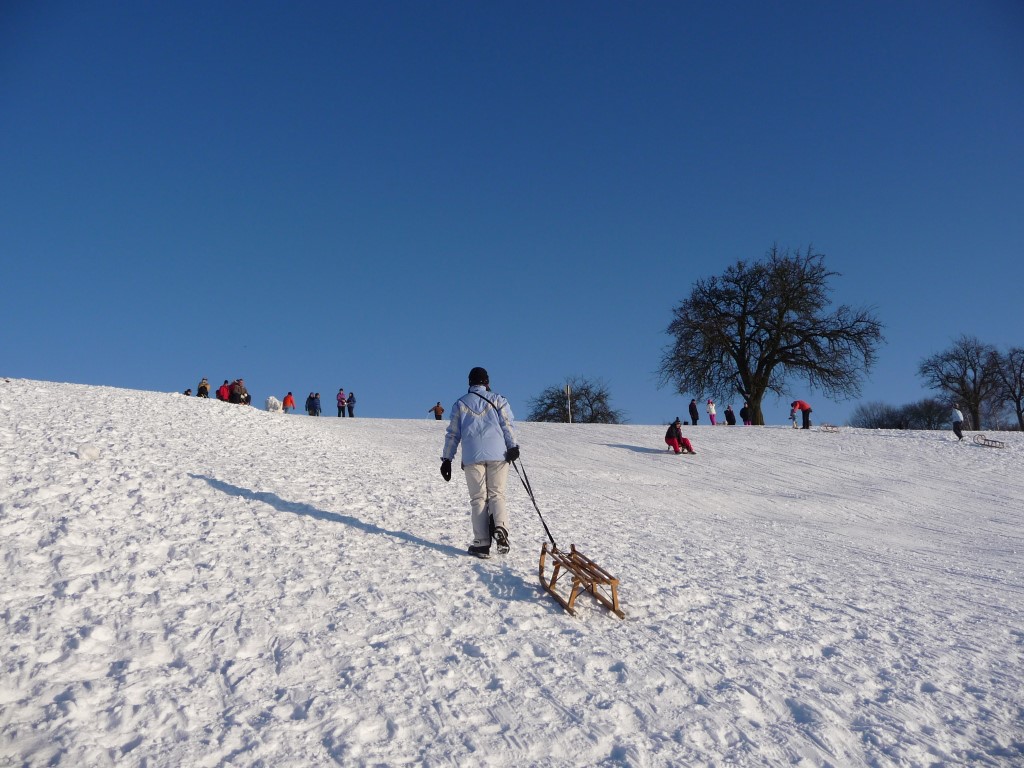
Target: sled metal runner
988,443
587,576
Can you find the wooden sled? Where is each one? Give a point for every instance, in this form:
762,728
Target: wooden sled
982,440
829,428
586,576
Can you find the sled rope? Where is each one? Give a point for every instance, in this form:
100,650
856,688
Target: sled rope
529,492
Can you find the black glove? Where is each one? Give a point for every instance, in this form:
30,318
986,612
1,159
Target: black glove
446,469
512,454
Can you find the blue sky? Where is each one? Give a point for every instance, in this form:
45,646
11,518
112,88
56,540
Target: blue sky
382,195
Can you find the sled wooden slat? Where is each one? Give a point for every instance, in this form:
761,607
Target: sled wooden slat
586,576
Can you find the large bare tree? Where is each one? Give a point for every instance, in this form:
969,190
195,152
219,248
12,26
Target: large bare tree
967,373
1010,372
761,324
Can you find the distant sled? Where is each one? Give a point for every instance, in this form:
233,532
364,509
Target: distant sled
828,428
982,440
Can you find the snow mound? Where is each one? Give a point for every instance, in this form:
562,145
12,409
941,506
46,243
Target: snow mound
218,585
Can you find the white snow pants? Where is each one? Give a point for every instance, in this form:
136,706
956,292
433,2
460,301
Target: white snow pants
486,482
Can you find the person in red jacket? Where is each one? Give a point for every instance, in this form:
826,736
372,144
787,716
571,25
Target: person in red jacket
800,405
224,392
288,404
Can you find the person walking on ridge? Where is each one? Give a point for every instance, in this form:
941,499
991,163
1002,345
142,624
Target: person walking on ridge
958,422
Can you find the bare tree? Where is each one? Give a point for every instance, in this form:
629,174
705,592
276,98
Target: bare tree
966,373
761,324
924,414
1010,372
591,403
874,416
929,413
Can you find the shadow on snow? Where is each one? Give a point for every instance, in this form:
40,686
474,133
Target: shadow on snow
638,449
296,508
504,585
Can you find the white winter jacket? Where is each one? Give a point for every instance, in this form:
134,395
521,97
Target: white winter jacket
482,422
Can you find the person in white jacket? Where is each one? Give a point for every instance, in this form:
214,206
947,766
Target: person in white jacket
481,421
711,411
958,422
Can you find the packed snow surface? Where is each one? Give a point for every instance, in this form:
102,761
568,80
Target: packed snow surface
192,583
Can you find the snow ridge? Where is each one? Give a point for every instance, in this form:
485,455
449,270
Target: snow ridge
188,582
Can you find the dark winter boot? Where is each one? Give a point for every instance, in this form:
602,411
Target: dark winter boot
501,537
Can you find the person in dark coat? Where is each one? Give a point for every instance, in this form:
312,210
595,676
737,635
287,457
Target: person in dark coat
309,405
745,415
730,416
351,405
694,412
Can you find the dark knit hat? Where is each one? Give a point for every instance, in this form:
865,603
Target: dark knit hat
478,376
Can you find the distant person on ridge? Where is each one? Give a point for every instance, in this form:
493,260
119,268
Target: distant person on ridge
745,415
224,391
309,405
958,422
437,410
288,404
482,421
342,402
674,438
203,390
316,404
350,403
694,412
805,409
239,394
712,414
730,416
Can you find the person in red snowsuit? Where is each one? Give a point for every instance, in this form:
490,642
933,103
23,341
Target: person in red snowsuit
800,405
675,440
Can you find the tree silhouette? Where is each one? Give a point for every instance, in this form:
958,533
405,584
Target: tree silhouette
590,401
761,324
967,373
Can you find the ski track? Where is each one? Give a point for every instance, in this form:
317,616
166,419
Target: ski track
193,583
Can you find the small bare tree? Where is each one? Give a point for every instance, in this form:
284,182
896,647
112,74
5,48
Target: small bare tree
591,403
967,373
924,414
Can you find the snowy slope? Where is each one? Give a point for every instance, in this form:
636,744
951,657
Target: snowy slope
188,582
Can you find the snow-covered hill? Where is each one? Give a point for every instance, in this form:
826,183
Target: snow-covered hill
193,583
